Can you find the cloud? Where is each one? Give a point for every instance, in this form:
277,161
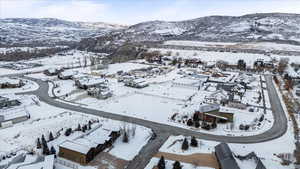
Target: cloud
134,11
73,10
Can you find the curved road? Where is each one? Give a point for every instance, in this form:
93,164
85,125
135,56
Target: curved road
163,130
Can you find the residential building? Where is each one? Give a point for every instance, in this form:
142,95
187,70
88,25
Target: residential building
100,92
52,71
6,102
211,113
67,74
136,83
89,82
84,149
13,116
225,157
7,82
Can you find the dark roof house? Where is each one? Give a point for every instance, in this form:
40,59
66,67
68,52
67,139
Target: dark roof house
225,157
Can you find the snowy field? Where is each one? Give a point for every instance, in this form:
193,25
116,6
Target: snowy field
72,59
13,49
255,45
232,58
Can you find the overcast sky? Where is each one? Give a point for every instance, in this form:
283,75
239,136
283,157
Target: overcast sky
134,11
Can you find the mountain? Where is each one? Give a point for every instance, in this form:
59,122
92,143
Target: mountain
247,28
49,31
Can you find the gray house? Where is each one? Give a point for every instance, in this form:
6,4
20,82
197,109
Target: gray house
225,157
226,86
6,102
100,92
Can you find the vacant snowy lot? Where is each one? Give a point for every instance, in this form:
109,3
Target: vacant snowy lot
232,58
255,45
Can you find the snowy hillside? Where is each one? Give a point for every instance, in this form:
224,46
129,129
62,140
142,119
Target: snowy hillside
248,28
47,31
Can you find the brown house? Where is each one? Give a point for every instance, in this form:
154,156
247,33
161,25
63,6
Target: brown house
83,150
210,113
76,152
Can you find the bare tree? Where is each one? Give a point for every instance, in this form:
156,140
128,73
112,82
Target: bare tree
283,62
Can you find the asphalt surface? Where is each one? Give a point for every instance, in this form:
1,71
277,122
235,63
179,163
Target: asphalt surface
162,131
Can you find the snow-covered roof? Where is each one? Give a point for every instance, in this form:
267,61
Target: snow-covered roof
187,81
53,70
13,114
88,81
139,80
49,162
68,73
209,107
9,80
85,143
75,146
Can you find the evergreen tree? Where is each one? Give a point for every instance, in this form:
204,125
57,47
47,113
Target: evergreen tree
125,137
177,165
38,144
161,163
52,150
79,127
196,117
43,140
51,136
185,144
190,122
68,132
194,142
84,128
214,124
197,124
46,150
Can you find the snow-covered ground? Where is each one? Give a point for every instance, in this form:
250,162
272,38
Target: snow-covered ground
231,58
30,49
169,99
169,164
254,45
266,151
72,59
45,119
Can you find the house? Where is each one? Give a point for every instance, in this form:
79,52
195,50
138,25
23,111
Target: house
67,74
100,92
298,92
225,157
84,149
7,82
252,158
89,82
226,86
218,97
209,108
187,82
211,113
52,71
136,83
10,117
6,102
